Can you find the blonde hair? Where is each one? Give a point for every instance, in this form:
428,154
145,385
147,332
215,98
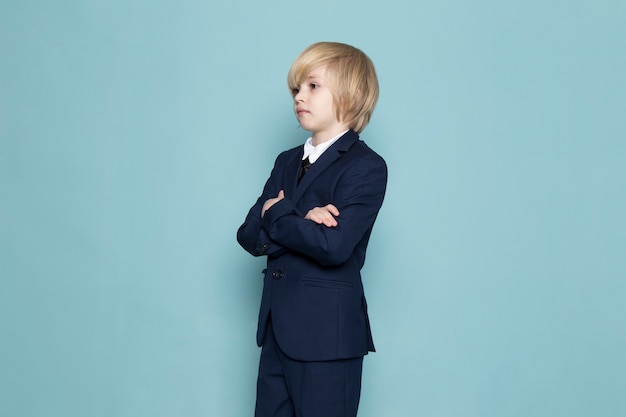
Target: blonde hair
351,77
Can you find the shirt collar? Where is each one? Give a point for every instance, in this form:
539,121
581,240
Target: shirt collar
314,152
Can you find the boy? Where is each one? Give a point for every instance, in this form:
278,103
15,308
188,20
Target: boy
313,222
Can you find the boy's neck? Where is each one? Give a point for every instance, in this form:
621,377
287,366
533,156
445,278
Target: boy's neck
321,137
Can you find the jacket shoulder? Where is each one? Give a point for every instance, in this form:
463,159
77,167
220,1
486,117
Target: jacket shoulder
362,150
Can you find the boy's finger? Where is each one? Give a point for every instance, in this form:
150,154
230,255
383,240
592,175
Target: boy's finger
332,209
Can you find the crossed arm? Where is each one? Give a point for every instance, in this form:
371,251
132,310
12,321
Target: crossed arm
274,224
321,215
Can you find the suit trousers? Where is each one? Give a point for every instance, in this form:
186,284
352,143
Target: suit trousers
291,388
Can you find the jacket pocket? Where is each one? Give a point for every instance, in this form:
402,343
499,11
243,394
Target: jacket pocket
325,283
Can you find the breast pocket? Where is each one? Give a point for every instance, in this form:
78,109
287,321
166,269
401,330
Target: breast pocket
317,198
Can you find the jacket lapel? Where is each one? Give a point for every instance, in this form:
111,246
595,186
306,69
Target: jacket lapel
292,170
325,160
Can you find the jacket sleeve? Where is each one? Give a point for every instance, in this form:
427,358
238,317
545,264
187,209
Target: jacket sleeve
251,235
358,197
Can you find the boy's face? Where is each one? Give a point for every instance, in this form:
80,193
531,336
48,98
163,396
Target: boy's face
313,105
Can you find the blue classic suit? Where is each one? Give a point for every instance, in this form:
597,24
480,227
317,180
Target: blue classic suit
312,285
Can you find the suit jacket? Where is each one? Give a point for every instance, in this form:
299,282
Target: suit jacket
312,285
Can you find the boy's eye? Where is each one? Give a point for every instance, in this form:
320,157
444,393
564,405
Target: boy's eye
314,86
295,91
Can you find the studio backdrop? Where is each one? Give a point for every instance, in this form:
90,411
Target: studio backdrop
135,135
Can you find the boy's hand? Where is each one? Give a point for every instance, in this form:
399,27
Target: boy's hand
323,215
270,202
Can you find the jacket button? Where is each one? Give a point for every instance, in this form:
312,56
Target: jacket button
262,250
278,274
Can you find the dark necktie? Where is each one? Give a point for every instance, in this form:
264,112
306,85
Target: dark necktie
306,164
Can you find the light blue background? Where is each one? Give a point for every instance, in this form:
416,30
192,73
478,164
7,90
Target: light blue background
135,135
